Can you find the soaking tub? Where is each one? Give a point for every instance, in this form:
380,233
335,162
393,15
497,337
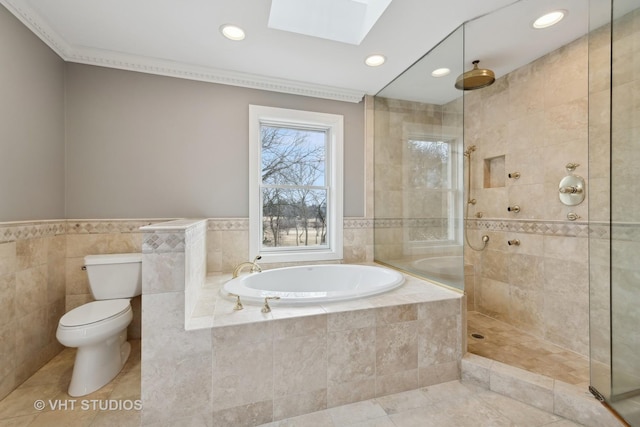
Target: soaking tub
312,284
445,267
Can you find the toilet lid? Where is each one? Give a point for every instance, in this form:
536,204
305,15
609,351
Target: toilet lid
95,311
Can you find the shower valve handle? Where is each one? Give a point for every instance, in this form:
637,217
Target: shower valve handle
514,208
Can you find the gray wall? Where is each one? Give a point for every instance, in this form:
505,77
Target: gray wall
140,145
31,125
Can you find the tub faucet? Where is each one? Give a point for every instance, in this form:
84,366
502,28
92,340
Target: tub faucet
255,268
266,308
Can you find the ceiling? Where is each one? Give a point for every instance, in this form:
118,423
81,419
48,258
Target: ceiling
181,39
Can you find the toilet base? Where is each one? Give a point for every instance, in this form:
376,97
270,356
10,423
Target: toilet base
96,365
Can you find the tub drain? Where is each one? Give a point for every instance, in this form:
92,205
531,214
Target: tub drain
478,336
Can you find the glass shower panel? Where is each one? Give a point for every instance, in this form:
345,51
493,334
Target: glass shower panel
614,208
418,168
625,211
600,196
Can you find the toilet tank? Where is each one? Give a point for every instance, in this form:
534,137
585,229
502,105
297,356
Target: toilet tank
113,276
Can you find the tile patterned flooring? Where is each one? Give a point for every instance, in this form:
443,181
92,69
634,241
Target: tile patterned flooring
506,344
49,385
448,404
451,404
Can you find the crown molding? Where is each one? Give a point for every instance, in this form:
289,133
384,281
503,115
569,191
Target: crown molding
122,61
37,26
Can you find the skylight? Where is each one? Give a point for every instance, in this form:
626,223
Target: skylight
346,21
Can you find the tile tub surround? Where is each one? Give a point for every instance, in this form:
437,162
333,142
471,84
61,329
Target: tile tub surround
228,242
246,368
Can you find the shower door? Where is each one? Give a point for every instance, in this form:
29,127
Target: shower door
615,206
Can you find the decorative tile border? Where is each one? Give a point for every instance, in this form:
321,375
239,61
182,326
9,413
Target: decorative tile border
228,224
410,222
12,231
242,224
357,223
163,242
100,226
595,229
547,228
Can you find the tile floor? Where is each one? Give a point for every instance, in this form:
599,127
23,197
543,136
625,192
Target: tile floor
451,404
49,386
506,344
442,405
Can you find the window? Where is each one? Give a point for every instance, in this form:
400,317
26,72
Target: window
295,192
432,177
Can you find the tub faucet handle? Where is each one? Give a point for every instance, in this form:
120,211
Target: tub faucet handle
266,308
238,305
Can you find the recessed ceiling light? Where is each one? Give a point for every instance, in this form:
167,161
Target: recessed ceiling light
375,60
440,72
232,32
549,19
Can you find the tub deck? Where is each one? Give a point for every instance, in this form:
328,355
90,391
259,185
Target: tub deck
212,309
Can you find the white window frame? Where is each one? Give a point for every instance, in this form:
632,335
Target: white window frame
454,213
333,124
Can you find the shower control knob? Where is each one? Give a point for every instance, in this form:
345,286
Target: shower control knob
514,242
514,175
514,208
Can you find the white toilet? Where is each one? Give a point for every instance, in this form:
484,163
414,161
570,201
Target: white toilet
99,328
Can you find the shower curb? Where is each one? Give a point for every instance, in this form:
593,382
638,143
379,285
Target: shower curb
554,396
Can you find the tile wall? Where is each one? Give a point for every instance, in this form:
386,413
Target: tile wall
41,276
402,212
533,121
228,242
32,297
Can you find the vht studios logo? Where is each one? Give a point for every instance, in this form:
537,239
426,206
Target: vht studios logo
88,405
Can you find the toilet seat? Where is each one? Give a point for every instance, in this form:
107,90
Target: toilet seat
94,312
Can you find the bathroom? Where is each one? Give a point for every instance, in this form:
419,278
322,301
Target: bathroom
97,119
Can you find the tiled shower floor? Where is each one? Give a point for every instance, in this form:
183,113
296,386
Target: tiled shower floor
509,345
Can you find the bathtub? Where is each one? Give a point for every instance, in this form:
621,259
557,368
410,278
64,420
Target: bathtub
444,267
311,284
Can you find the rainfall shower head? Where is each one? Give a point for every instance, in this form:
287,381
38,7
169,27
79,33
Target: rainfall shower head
468,151
476,78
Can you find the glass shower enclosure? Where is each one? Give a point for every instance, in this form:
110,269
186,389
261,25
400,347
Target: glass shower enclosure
614,210
418,168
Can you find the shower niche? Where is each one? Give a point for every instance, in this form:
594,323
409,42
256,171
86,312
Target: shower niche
494,172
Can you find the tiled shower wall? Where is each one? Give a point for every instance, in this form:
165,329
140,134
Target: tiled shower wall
533,121
405,213
41,276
